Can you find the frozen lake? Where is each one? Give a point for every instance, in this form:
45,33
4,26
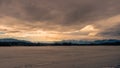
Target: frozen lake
60,57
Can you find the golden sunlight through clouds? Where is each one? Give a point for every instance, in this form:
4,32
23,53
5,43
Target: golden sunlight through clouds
92,31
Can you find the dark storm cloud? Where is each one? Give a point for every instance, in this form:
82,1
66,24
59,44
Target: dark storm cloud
60,14
69,10
113,32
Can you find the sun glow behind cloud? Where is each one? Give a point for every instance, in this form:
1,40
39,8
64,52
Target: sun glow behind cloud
13,29
91,29
44,20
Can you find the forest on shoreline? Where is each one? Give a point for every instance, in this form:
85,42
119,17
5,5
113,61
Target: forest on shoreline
16,42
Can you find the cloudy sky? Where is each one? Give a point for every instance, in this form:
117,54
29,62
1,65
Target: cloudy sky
53,20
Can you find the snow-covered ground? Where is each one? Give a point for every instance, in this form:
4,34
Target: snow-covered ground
60,57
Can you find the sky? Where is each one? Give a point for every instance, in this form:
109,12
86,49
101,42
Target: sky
54,20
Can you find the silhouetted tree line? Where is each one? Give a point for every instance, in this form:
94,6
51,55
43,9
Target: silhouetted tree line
21,44
14,42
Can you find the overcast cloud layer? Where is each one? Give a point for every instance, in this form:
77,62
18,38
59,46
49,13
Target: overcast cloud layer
60,19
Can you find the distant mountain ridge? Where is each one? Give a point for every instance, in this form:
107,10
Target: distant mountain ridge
89,42
16,42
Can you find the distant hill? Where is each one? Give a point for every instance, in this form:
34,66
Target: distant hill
89,42
16,42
